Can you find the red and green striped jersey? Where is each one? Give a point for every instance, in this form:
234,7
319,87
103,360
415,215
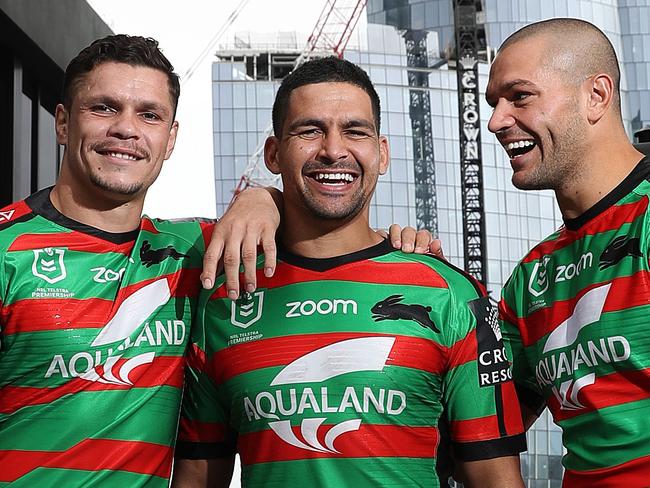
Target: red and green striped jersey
575,319
93,329
335,372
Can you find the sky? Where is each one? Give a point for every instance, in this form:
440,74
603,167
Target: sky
185,187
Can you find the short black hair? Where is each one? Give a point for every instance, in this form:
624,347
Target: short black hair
120,48
322,70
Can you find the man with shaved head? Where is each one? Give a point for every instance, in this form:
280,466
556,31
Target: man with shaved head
575,310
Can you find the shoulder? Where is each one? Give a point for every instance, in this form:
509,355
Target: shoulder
191,230
442,273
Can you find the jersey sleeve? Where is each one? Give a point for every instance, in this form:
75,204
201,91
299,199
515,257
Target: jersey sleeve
204,431
478,392
527,388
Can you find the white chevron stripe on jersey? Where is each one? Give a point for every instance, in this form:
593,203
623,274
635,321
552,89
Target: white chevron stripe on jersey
587,311
133,311
362,354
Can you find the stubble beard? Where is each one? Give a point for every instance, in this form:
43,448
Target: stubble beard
563,166
127,190
336,211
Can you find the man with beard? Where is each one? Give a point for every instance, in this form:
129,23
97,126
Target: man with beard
336,370
575,308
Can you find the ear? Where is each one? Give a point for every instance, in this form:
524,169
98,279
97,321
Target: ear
171,142
384,155
271,154
600,95
61,120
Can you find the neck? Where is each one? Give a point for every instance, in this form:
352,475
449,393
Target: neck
90,209
604,169
328,238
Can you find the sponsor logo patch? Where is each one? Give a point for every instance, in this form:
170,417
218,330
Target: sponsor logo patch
317,367
493,365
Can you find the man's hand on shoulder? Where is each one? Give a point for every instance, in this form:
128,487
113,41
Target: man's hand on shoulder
250,221
409,240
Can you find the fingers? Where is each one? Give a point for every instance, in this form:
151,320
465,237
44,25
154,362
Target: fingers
270,253
435,248
395,235
408,239
251,220
422,240
211,260
231,260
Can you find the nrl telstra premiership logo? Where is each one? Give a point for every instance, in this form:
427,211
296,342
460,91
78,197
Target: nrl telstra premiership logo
540,277
48,264
247,310
317,367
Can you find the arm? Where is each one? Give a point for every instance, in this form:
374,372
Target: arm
252,220
203,473
501,472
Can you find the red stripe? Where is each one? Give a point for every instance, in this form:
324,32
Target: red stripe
632,474
42,314
206,229
625,293
148,226
611,219
164,370
91,455
607,391
369,441
472,430
73,241
416,274
511,410
195,431
412,352
20,208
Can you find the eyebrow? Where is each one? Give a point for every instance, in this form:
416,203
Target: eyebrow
348,124
509,86
143,105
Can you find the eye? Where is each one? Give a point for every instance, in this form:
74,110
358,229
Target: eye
520,96
357,133
310,132
102,108
150,116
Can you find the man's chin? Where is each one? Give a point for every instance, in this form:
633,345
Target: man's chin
119,189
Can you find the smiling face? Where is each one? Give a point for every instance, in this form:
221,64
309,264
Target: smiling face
117,131
538,115
329,153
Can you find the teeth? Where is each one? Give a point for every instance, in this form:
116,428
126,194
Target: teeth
128,157
335,177
518,144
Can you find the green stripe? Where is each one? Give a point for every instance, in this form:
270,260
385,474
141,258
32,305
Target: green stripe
145,414
335,473
608,436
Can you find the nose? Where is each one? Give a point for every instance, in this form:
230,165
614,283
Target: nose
501,118
334,147
124,125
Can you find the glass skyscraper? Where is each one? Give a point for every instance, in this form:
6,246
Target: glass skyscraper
246,76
